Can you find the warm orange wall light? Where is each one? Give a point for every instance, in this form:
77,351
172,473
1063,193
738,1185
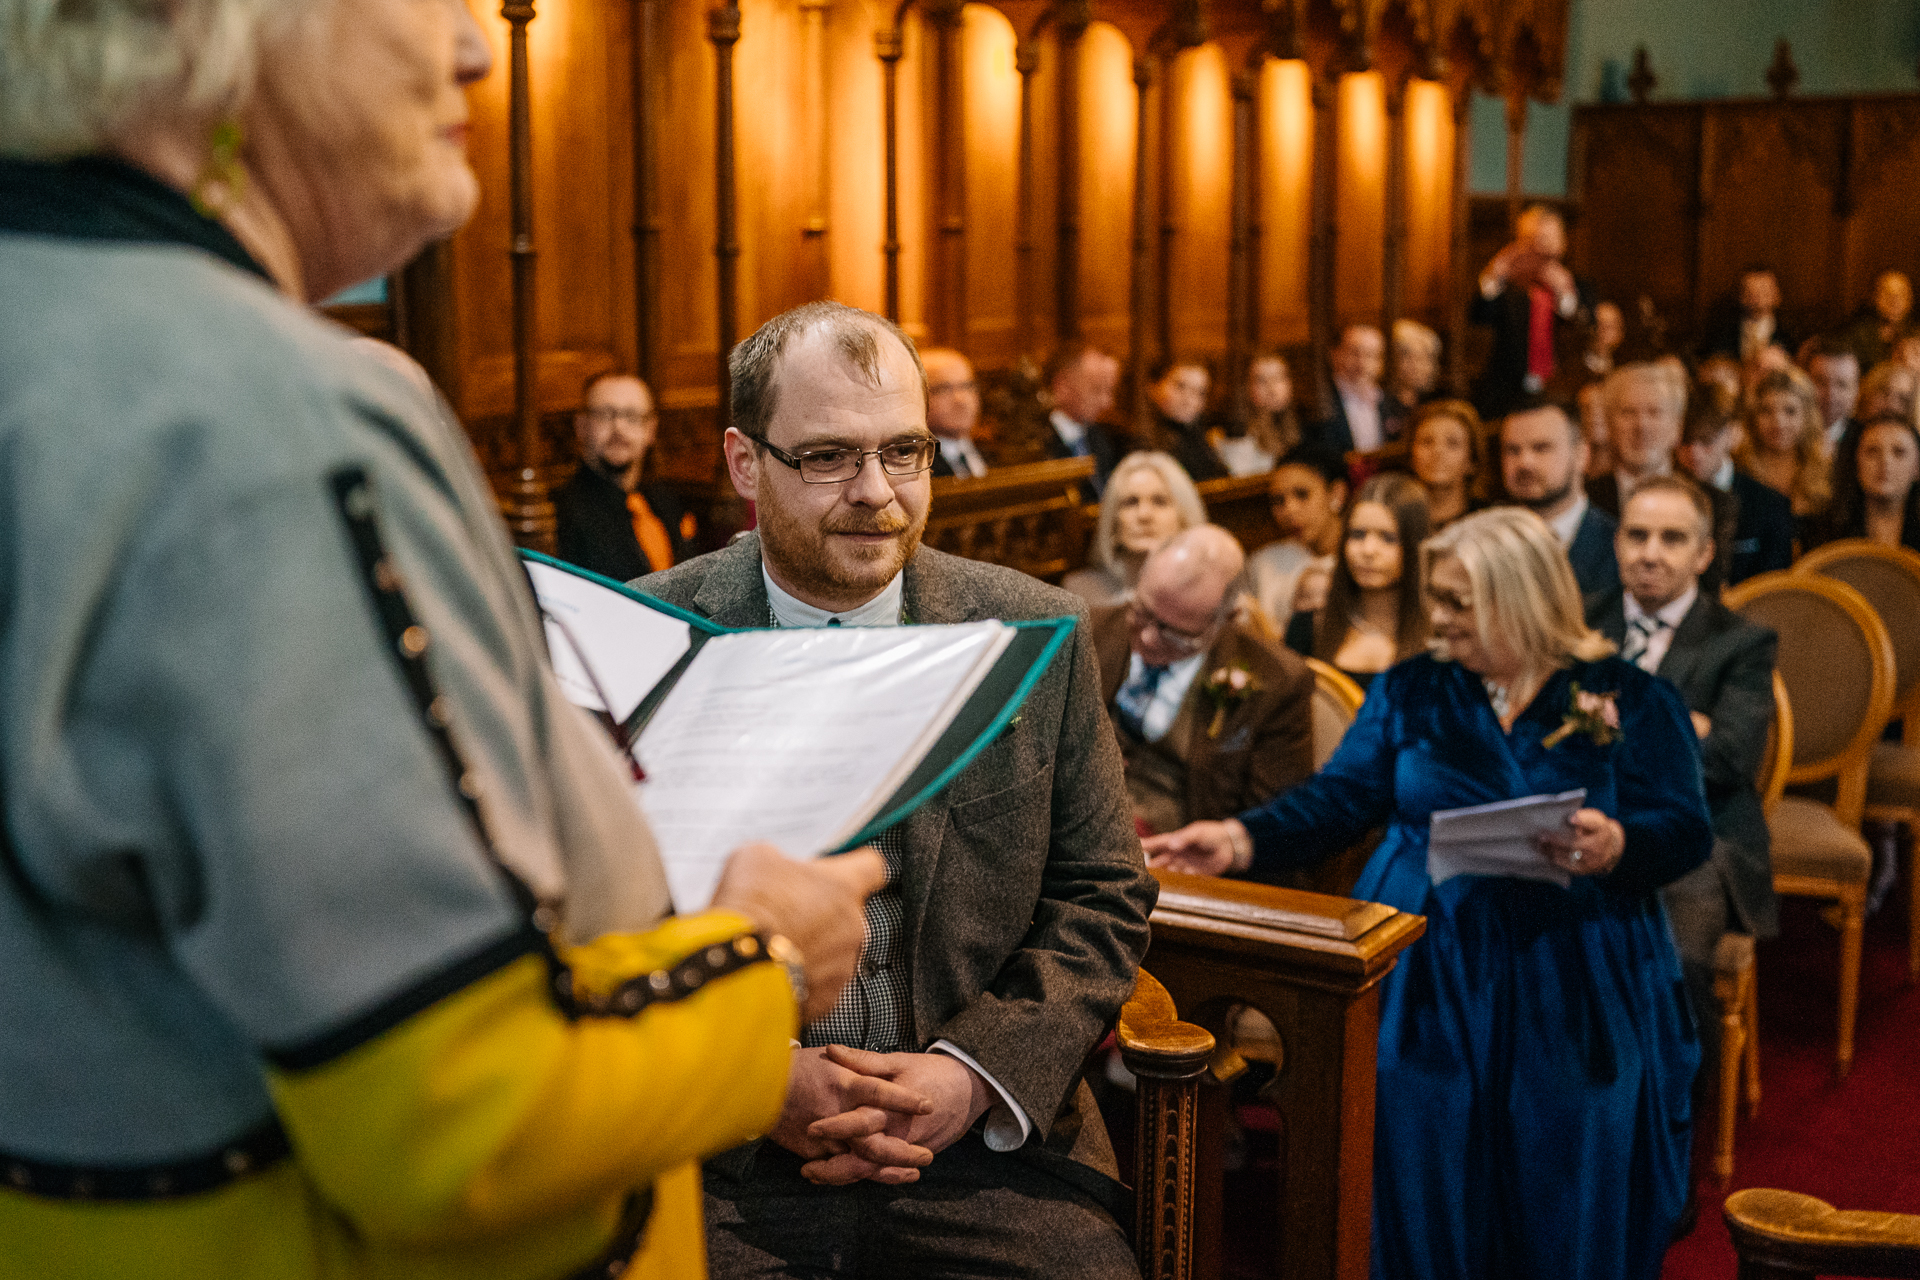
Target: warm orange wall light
1107,124
1203,191
1361,214
1286,178
993,183
1429,196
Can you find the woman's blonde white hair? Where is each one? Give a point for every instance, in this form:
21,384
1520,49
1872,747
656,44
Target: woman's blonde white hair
76,76
1186,500
1524,592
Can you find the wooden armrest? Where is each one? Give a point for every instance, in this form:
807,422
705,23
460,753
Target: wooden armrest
1792,1232
1153,1040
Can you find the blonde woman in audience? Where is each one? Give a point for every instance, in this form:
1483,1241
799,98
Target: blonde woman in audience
1594,429
1786,443
1373,616
1273,425
1148,499
1445,456
1536,1057
1307,495
1416,363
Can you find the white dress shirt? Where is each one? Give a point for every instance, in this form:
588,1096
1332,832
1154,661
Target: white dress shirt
1670,616
1723,478
1007,1125
1566,525
1073,434
1167,696
963,456
1363,416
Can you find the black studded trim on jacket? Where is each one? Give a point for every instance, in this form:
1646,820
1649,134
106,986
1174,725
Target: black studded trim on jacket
663,986
264,1145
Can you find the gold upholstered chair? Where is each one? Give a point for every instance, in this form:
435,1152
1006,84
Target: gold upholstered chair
1782,1235
1336,701
1837,661
1889,577
1736,980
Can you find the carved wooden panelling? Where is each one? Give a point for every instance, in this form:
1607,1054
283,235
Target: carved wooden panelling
1024,517
1635,171
1882,230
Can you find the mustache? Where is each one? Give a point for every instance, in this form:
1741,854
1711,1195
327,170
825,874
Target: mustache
878,524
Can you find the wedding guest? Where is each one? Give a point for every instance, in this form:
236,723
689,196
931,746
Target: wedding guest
1416,364
1835,371
1532,303
1747,321
1542,460
1875,494
1535,1061
1446,458
1373,616
1608,331
1592,400
1785,446
608,519
1645,402
1212,717
1178,393
953,411
1888,388
1272,429
1307,494
1753,524
1080,382
1882,320
1361,415
1149,499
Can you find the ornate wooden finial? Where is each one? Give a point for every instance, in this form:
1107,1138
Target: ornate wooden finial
1782,75
1641,81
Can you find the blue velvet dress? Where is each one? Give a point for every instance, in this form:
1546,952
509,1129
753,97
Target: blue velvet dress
1536,1051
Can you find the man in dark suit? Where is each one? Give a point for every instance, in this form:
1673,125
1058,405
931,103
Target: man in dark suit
1723,666
935,1123
953,411
1360,414
1178,392
1744,323
1081,383
1542,461
609,519
1532,303
1752,522
1212,718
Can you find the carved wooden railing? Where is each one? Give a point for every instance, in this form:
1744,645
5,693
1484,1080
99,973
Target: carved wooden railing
1311,966
1168,1057
1027,517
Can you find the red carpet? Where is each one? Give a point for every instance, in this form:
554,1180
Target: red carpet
1854,1144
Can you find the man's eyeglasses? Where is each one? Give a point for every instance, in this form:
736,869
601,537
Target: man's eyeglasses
1173,637
631,417
837,466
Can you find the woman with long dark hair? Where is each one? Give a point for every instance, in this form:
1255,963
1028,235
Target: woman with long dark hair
1373,616
1876,486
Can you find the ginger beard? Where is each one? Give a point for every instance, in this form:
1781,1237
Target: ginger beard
849,553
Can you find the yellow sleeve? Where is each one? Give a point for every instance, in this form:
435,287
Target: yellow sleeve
490,1110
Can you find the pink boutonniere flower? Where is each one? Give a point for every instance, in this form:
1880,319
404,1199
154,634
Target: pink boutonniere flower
1227,688
1595,714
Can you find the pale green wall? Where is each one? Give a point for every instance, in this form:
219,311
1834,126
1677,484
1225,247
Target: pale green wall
1701,49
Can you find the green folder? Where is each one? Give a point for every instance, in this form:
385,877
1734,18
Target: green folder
985,712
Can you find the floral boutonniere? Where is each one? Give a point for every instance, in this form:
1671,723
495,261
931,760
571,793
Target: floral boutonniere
1593,714
1226,689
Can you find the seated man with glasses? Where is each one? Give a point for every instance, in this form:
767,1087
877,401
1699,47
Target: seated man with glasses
1211,717
953,411
1014,915
610,521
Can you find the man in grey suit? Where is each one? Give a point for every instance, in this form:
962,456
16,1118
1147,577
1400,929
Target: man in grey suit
1723,667
935,1123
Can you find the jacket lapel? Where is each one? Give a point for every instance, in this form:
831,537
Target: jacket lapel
1683,652
734,594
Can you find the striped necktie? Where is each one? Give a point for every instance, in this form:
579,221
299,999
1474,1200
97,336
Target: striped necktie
1640,634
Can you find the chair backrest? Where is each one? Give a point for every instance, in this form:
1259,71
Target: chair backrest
1771,781
1836,659
1336,701
1889,577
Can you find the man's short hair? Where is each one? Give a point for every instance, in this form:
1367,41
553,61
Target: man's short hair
595,379
1671,381
1673,482
1831,346
1065,357
1165,365
754,364
1328,464
1710,411
1534,404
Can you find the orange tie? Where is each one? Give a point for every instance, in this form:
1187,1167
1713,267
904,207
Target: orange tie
650,533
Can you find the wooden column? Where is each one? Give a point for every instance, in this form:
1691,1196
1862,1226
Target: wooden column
1140,279
1169,229
1459,238
1516,149
528,509
1312,964
1026,60
889,45
1070,24
643,17
1243,319
723,29
425,320
1393,257
1321,235
947,271
813,231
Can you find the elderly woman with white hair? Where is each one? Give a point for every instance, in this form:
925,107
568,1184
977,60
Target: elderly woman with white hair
1147,500
331,940
1536,1053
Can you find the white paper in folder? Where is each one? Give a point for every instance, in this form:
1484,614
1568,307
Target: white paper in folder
1498,839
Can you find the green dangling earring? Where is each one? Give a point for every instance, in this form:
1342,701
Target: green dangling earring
224,180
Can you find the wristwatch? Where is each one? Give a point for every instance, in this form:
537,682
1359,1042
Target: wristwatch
783,953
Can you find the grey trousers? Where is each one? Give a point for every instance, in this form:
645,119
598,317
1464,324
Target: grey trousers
974,1212
1700,911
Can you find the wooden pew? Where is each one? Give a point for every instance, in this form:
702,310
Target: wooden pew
1312,965
1026,517
1239,505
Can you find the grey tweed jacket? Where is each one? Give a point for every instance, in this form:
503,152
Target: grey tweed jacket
1025,892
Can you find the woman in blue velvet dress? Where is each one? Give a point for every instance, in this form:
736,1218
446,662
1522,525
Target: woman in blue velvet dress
1536,1053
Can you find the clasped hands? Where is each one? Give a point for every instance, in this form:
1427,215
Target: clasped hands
854,1115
